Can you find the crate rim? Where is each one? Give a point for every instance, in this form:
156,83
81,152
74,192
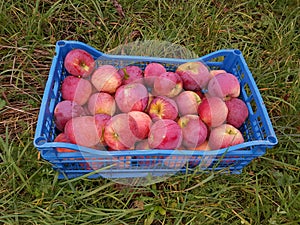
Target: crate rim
221,52
41,143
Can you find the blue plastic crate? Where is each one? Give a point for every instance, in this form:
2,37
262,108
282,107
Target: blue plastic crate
257,130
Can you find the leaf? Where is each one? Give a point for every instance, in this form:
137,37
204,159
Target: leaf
126,75
150,218
138,204
2,103
161,210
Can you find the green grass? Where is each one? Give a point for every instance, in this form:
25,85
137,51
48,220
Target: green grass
267,32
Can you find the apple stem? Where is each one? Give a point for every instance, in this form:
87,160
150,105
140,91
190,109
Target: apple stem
84,66
126,75
232,132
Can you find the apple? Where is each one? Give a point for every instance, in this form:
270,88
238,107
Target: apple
99,146
149,160
224,86
216,72
76,89
106,79
194,131
237,112
153,70
95,163
102,102
142,145
195,75
119,133
92,163
62,137
131,74
167,84
64,111
82,131
132,97
202,161
143,122
121,162
224,136
213,111
86,110
162,107
165,134
187,102
150,98
94,89
176,160
79,63
100,123
203,147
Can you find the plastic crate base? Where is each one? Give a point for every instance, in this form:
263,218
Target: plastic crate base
228,166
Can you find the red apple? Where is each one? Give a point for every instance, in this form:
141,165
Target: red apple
143,122
216,72
102,102
62,137
92,163
203,147
150,98
188,102
82,131
99,146
202,161
224,86
167,84
194,131
100,123
224,136
121,162
237,112
195,75
163,108
64,111
106,79
147,161
94,89
151,71
132,97
213,111
175,161
79,63
131,74
142,145
86,110
119,132
76,89
165,134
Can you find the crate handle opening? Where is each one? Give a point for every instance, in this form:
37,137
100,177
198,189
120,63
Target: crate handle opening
40,141
61,43
237,52
273,140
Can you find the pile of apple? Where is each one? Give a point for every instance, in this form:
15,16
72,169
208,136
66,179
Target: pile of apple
110,108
